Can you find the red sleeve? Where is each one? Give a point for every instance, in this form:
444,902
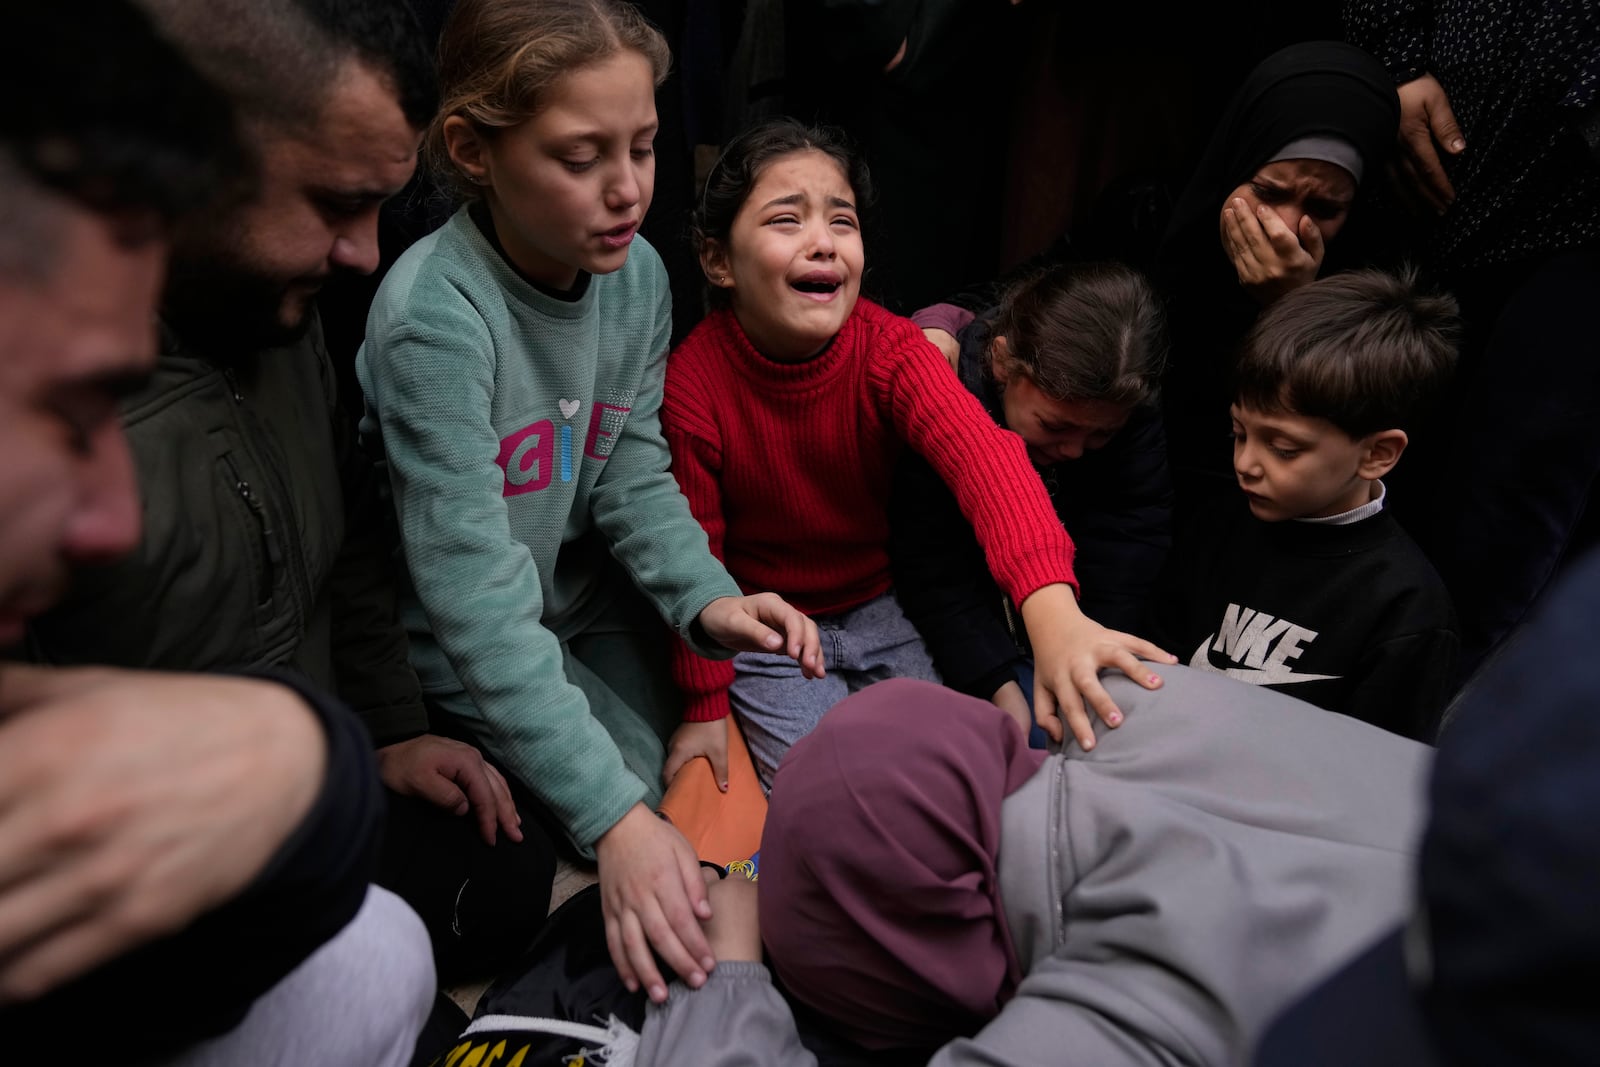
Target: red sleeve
985,466
696,460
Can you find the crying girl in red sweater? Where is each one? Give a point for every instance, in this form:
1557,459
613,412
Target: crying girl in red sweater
786,410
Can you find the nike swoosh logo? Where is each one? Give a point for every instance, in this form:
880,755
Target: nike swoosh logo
1280,675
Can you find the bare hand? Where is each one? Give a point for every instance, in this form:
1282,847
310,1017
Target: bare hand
751,624
453,776
1010,699
693,740
1270,258
1069,651
1426,125
945,342
734,930
653,897
132,803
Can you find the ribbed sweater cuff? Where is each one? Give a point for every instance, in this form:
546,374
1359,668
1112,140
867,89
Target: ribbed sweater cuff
706,707
1028,572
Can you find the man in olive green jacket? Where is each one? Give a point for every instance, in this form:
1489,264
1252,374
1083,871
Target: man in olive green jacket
264,539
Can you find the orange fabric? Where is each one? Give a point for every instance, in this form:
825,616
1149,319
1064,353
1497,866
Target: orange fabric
722,827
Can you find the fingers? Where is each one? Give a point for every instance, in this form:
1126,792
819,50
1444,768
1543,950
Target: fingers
1071,710
1045,711
1422,162
1144,650
670,921
480,797
1284,242
1241,252
676,759
619,949
1311,240
1443,125
719,765
505,805
805,645
1096,697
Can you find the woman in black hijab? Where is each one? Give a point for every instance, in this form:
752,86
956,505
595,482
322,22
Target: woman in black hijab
1274,188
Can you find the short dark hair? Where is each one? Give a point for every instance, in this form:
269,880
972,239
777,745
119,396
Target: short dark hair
1367,350
278,59
386,36
739,167
97,107
1084,331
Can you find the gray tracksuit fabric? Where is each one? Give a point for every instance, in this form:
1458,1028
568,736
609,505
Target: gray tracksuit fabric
1167,893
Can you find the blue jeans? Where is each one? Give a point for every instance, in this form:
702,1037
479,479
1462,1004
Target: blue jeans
777,705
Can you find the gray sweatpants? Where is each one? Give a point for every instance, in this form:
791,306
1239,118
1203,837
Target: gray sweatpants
359,1001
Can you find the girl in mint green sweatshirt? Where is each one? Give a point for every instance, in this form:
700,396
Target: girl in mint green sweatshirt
513,370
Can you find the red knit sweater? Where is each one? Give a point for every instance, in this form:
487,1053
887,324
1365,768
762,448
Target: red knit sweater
788,465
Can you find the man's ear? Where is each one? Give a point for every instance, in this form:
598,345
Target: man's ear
1381,453
714,262
467,149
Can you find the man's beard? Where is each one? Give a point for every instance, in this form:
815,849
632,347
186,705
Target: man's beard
226,311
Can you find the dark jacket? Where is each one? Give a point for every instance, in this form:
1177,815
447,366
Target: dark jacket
1116,503
263,544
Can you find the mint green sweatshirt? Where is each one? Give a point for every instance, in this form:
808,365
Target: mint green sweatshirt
518,428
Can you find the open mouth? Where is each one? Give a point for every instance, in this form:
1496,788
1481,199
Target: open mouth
819,285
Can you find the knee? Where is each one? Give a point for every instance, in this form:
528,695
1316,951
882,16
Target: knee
386,979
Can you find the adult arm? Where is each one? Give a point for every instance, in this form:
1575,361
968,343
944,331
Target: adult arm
370,653
156,827
1399,34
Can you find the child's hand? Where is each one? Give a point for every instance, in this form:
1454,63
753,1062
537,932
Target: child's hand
1069,650
652,896
1270,258
751,624
693,740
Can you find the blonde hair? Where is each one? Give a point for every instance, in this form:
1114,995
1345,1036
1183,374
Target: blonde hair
499,58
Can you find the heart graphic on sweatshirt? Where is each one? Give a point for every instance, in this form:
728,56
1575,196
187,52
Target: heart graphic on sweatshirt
569,408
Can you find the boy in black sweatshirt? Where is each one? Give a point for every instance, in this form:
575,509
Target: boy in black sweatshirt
1306,584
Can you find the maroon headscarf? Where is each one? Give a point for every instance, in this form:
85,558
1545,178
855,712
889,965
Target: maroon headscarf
880,898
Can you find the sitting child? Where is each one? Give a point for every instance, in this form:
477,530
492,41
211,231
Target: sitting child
1317,592
787,410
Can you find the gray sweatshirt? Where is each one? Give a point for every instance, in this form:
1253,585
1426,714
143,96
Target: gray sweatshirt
1168,893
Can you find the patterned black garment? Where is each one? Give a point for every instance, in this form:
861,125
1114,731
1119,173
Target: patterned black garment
1523,77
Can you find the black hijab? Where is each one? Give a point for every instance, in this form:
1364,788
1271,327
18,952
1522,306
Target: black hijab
1318,88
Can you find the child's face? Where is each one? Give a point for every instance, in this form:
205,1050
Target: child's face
793,259
1058,430
1299,467
568,187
